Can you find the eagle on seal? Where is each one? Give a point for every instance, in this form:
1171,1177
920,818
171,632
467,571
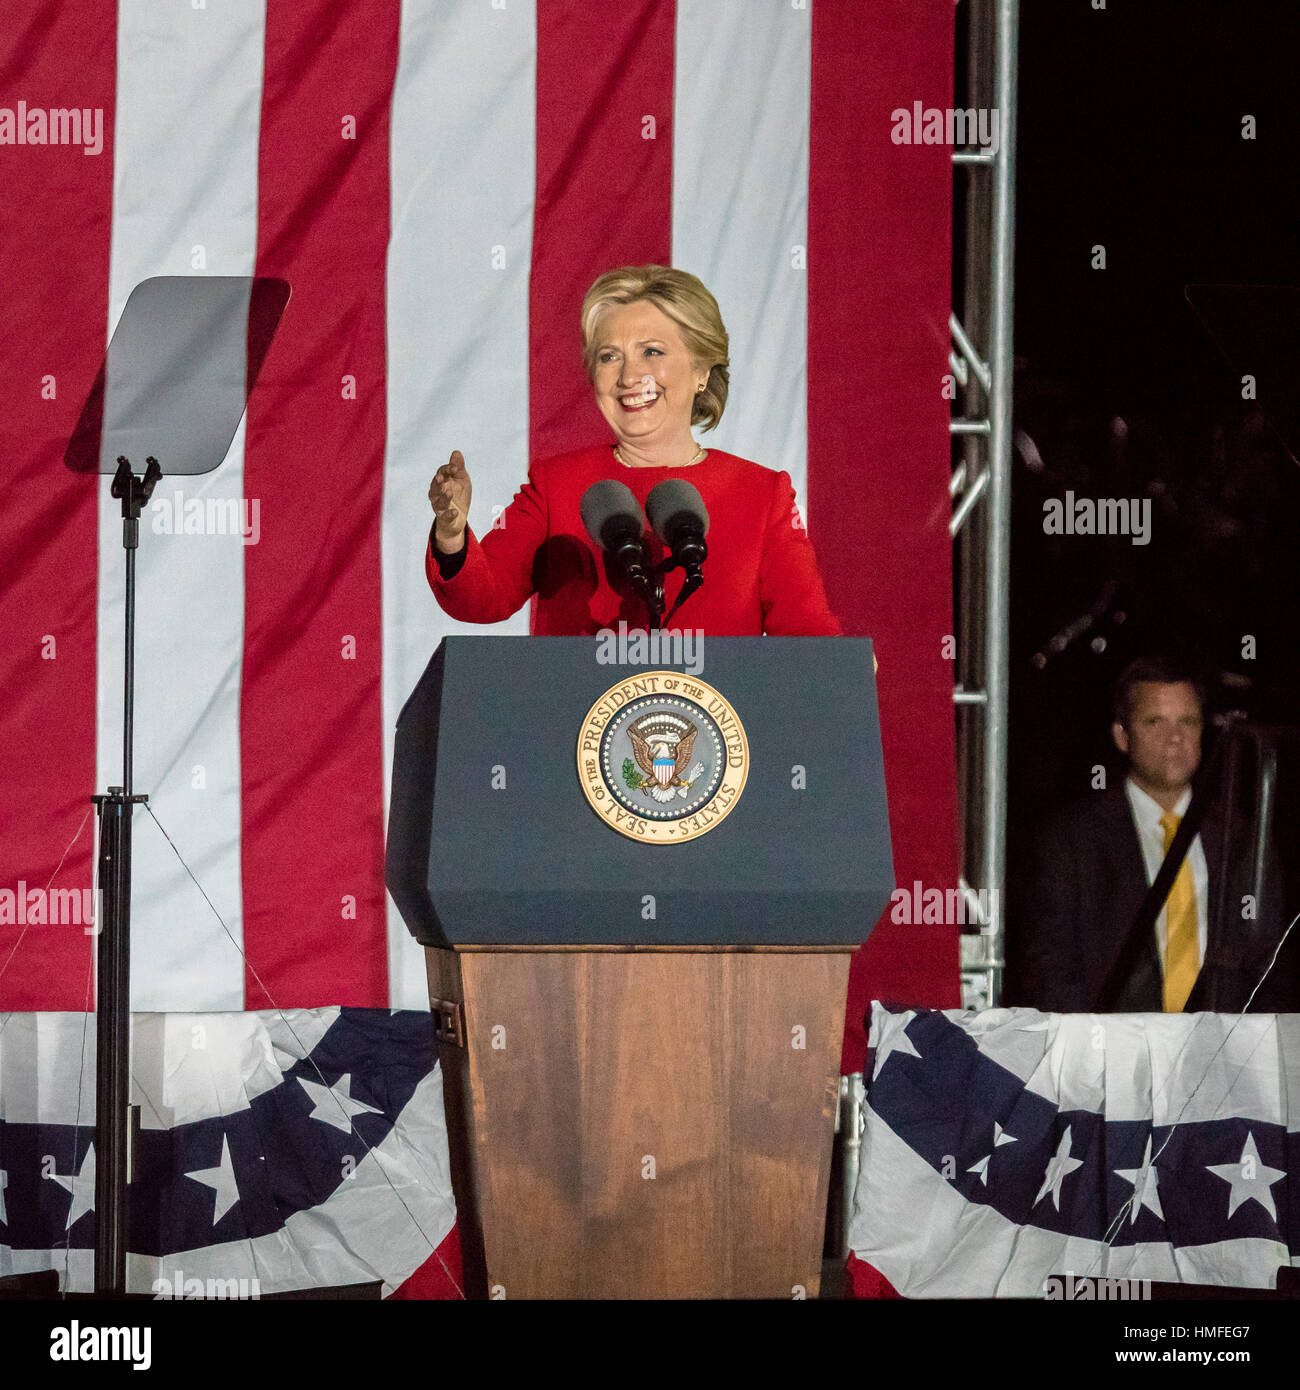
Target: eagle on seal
663,764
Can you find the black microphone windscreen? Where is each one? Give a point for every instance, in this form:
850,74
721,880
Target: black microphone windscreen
671,497
605,500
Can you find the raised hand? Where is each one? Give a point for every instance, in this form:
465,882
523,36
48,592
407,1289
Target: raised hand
449,495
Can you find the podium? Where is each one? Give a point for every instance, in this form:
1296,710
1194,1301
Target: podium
639,888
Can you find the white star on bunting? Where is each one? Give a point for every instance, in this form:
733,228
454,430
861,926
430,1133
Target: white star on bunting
1252,1188
1059,1167
899,1042
221,1180
1143,1180
82,1187
334,1104
982,1167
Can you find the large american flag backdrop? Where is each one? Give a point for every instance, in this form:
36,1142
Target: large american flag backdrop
439,180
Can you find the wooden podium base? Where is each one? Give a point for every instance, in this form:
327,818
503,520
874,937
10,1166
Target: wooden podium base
640,1123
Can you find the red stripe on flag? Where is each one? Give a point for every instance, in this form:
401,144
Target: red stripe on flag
866,1281
54,247
604,189
439,1277
879,234
310,717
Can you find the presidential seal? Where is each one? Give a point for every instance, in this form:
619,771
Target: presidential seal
662,757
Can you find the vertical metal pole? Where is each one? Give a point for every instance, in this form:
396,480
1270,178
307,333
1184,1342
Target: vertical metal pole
1265,804
972,581
998,498
112,1019
131,539
1233,736
851,1102
113,977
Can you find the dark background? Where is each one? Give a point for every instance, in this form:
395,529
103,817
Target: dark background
1130,124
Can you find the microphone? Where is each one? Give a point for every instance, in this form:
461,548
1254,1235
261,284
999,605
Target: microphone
681,520
615,523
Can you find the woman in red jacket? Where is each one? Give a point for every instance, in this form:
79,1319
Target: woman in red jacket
655,349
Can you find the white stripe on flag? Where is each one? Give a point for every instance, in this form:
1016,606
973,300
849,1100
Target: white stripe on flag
184,203
462,177
740,209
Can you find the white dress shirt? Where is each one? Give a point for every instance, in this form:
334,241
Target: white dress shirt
1151,836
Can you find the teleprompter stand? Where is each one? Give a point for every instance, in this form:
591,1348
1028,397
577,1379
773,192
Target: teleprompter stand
115,1118
174,384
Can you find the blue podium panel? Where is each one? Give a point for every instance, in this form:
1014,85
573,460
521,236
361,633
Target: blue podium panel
493,839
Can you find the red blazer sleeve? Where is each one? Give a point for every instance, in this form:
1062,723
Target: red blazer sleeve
496,577
789,584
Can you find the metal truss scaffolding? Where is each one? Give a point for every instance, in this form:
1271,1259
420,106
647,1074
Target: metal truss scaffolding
981,360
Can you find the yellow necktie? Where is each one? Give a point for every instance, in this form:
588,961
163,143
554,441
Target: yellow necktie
1182,949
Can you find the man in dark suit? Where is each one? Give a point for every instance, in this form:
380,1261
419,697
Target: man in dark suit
1092,863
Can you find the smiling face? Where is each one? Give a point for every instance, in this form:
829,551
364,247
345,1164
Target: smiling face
1163,737
645,378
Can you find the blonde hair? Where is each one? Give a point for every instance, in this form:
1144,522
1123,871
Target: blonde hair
684,298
